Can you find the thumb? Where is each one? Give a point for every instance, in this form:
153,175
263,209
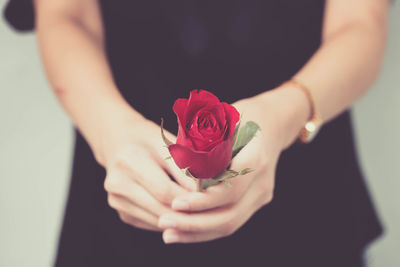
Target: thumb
249,155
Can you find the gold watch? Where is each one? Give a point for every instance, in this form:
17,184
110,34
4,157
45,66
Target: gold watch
314,123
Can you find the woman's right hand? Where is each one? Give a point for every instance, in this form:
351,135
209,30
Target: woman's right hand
124,142
137,180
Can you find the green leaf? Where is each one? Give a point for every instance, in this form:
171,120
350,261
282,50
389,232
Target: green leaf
245,134
165,139
235,133
227,183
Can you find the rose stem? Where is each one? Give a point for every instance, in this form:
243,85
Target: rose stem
199,185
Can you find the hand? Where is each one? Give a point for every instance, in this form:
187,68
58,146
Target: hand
137,180
221,210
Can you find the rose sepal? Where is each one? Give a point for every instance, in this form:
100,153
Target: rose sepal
165,139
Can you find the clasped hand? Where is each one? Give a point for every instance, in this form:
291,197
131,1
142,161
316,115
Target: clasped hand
144,196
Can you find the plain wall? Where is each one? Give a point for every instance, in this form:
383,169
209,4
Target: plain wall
36,144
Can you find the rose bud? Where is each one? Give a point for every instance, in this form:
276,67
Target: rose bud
205,135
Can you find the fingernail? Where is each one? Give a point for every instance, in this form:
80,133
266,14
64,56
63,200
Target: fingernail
178,204
166,223
170,238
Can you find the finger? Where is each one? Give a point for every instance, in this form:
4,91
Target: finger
170,166
157,182
214,220
182,179
174,236
213,197
136,223
221,194
208,225
135,213
135,193
146,172
251,156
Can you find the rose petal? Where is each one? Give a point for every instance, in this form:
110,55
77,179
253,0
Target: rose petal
179,108
232,117
193,130
203,164
219,113
200,94
201,99
201,141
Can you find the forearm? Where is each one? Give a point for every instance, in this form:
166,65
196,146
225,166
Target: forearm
341,70
78,71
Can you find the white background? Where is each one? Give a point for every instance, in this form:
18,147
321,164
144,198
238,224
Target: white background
36,144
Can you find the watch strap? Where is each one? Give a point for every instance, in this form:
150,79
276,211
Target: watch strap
313,123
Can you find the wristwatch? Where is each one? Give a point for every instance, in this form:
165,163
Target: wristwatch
314,123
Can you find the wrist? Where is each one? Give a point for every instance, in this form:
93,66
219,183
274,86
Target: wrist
109,127
292,111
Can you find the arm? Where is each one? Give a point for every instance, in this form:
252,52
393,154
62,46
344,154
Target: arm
345,65
340,71
70,36
354,38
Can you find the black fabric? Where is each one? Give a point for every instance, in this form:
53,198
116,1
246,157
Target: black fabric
20,14
158,50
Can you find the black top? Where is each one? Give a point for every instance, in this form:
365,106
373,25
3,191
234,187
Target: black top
159,50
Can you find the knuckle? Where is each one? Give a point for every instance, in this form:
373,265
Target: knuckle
111,201
228,227
267,198
124,218
129,158
112,184
120,161
107,185
99,159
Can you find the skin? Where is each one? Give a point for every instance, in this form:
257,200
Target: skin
129,146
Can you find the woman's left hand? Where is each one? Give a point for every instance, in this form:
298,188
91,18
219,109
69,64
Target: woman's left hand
221,210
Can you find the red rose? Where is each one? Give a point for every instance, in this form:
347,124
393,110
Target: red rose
205,134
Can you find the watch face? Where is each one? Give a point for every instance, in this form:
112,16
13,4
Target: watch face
310,126
312,129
